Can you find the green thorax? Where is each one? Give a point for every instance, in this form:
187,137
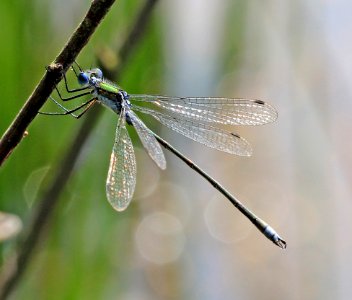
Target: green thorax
109,87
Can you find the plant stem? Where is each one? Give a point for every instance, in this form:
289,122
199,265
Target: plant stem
52,76
11,276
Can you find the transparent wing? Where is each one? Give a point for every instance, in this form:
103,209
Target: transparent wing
121,179
235,111
148,140
202,132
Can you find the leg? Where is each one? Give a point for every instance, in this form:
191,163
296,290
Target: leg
87,105
73,90
73,97
78,66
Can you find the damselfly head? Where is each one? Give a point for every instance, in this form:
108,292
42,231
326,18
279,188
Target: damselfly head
89,76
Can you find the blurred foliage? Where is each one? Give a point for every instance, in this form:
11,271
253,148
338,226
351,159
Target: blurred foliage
296,54
86,239
86,254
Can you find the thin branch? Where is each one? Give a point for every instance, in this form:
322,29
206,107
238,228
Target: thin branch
52,76
50,199
45,209
47,204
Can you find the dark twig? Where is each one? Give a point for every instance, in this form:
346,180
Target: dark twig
45,209
52,76
11,277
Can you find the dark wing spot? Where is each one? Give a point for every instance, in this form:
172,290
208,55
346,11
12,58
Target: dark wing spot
259,102
235,135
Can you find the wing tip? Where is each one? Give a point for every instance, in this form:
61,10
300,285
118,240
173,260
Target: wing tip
245,148
270,112
117,202
119,207
162,165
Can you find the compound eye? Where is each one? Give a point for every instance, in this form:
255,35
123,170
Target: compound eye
82,78
98,73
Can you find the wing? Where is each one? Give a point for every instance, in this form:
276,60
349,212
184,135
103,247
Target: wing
235,111
202,132
148,140
121,179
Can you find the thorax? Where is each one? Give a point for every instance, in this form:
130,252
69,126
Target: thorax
111,97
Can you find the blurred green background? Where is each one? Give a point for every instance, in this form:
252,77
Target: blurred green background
180,239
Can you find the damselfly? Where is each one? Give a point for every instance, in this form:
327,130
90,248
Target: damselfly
193,117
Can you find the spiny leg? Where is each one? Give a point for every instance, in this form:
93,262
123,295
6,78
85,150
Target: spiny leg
91,102
73,90
72,97
87,105
78,66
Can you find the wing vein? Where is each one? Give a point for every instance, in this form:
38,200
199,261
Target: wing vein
236,111
202,132
121,180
